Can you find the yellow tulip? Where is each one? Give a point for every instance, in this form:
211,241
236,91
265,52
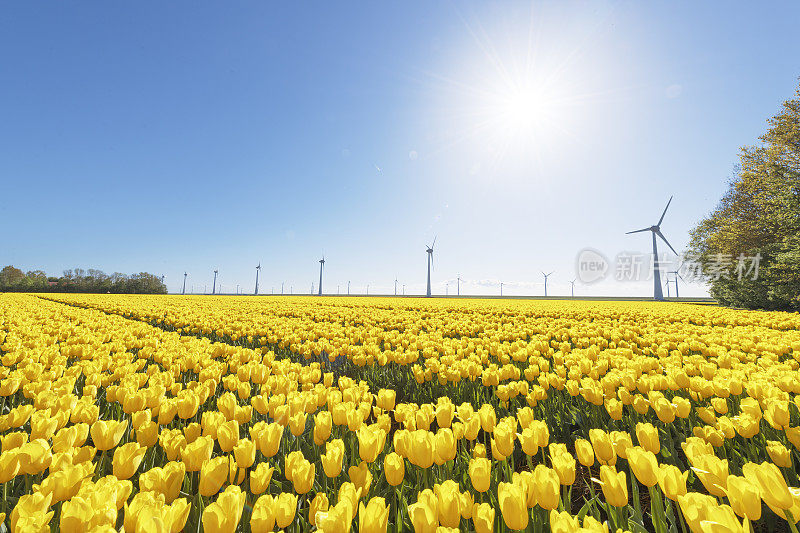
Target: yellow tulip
393,468
127,459
262,519
744,497
779,454
245,453
603,448
615,488
285,509
480,473
361,477
513,505
106,434
318,505
644,466
195,454
213,475
223,515
270,439
322,427
672,481
260,478
424,513
374,518
647,435
483,518
228,435
585,452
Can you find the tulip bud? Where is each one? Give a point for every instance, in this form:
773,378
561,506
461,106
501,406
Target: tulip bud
394,469
374,518
615,488
513,505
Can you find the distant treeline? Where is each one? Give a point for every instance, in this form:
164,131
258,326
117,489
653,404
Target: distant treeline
13,279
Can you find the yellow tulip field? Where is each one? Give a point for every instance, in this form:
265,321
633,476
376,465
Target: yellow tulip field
256,414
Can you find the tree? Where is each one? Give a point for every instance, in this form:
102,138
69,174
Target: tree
759,216
10,277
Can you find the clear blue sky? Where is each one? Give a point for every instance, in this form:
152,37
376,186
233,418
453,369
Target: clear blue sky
177,136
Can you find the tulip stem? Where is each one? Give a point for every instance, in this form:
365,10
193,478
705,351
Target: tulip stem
790,519
656,511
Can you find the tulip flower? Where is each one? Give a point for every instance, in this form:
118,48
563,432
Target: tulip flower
444,446
76,515
564,466
603,448
672,481
513,505
228,435
302,476
644,466
285,508
647,435
772,486
106,434
360,476
615,488
546,486
9,465
370,443
195,454
480,473
333,457
483,518
744,497
374,518
270,439
213,475
223,515
318,505
696,508
585,452
34,457
424,513
713,473
779,454
393,468
260,478
245,453
322,427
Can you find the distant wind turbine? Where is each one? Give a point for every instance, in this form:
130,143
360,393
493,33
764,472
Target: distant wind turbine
545,281
501,288
348,287
656,231
321,265
395,286
458,285
184,283
214,287
429,249
573,288
677,275
378,169
257,269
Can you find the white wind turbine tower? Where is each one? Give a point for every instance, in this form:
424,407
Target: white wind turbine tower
257,269
545,282
214,287
573,288
429,249
656,231
321,265
184,283
458,285
395,286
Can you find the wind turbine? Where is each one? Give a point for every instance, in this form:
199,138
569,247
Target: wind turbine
348,287
458,285
395,286
282,288
162,279
429,249
257,269
447,288
545,282
184,283
312,289
573,288
666,283
404,289
501,289
656,231
677,275
321,265
214,287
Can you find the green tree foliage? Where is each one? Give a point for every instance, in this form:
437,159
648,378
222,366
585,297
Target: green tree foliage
759,214
79,280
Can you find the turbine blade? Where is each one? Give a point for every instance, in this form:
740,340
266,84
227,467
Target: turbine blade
434,241
637,231
665,212
658,232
